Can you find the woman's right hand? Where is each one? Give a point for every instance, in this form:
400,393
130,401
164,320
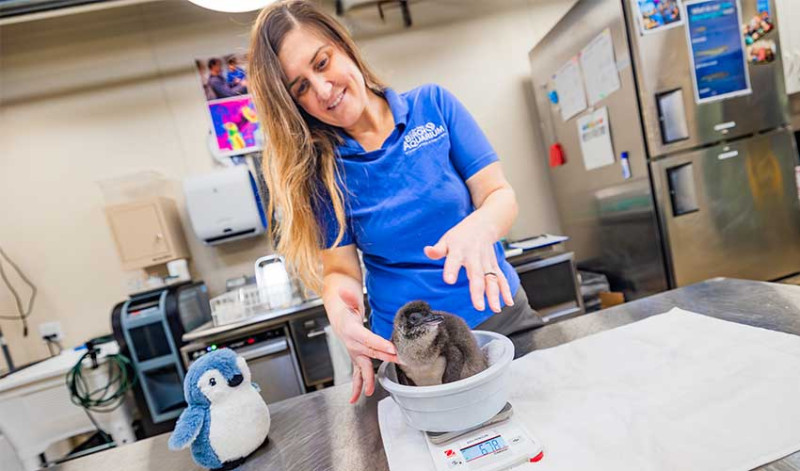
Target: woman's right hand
361,344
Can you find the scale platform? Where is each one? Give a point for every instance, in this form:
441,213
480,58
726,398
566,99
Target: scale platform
501,443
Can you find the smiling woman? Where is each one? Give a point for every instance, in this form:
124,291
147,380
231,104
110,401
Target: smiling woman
409,179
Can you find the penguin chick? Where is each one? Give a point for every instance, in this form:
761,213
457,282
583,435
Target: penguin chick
434,347
226,418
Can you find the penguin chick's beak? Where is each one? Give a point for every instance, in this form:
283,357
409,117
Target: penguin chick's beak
235,380
434,319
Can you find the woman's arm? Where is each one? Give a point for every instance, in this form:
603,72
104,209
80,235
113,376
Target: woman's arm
470,243
343,297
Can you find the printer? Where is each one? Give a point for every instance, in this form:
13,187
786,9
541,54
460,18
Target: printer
224,205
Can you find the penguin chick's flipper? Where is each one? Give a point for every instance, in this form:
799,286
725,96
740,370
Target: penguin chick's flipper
187,428
401,376
455,365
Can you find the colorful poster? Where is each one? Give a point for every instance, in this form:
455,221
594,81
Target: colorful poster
569,89
234,121
599,67
658,15
595,138
716,49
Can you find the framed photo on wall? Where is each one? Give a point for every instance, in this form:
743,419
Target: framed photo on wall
234,120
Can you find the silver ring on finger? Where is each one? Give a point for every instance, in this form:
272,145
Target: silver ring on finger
491,273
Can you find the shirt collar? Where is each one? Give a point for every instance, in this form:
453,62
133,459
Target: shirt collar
399,108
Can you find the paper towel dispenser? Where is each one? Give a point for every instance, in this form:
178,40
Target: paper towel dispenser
224,205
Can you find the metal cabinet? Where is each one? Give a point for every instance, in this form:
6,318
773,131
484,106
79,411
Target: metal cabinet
722,207
147,232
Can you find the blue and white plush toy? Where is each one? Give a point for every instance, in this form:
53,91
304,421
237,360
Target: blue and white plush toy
226,419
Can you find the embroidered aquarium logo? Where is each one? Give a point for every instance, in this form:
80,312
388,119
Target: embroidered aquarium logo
422,135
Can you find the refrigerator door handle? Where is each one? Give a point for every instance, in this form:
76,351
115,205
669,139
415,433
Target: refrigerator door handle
725,127
728,154
682,192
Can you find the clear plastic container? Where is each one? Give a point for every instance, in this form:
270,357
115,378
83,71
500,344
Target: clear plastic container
461,404
249,301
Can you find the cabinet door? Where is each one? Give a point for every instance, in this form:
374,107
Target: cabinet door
731,210
140,234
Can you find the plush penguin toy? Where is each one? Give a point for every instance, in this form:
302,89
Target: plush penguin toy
226,419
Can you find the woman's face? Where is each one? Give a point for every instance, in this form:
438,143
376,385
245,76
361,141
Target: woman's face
322,78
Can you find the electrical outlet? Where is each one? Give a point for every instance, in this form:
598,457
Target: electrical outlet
51,328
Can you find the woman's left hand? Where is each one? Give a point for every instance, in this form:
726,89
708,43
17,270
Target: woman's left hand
470,244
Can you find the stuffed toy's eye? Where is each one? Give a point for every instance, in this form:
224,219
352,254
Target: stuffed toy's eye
212,382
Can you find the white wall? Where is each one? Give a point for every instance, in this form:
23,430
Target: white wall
103,94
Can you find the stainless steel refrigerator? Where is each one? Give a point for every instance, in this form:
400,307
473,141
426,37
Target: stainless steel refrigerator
708,187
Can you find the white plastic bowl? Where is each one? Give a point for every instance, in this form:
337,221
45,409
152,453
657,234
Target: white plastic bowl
458,405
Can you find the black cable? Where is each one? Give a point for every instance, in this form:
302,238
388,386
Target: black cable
106,398
23,314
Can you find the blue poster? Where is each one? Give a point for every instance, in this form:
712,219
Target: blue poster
716,48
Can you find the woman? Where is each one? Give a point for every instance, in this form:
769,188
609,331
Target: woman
409,179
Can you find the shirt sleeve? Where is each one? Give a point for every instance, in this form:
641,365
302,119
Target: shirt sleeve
470,150
329,227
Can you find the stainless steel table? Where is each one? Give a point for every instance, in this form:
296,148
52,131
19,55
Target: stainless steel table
321,431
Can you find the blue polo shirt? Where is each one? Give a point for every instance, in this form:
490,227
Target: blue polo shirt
406,195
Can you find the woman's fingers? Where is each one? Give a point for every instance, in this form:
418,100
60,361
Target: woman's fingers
496,282
505,289
360,341
363,377
477,286
363,336
492,282
370,352
368,374
436,252
357,383
452,265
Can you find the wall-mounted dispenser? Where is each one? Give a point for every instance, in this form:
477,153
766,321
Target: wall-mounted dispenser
224,205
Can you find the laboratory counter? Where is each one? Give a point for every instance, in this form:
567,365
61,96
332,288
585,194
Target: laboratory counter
322,431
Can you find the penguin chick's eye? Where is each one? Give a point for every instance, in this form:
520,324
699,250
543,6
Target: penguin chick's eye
212,382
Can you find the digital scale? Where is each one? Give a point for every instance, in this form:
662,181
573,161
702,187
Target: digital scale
498,444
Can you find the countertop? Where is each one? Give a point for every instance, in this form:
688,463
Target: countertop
209,331
264,319
322,431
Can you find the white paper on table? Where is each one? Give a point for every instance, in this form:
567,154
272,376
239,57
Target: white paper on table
674,391
569,87
600,68
594,134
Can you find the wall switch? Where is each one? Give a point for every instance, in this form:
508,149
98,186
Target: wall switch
51,329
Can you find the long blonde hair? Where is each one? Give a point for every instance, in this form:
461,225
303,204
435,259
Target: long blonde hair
299,161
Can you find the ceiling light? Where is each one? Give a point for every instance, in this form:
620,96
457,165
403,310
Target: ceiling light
232,6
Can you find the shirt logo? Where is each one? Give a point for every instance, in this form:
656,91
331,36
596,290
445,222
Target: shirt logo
422,135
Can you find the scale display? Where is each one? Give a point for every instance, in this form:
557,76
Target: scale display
497,447
487,447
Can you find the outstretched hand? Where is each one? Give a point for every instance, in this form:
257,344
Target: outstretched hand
470,246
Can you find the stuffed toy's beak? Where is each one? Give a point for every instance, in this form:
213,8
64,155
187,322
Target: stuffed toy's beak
235,380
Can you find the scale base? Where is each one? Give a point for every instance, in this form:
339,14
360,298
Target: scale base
438,438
